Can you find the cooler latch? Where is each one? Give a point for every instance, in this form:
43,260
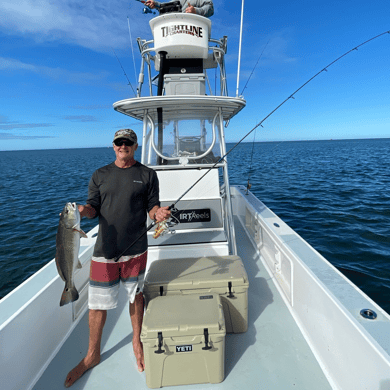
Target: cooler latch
230,295
161,290
160,344
206,339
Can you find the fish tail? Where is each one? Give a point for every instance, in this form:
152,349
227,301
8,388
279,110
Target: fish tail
70,294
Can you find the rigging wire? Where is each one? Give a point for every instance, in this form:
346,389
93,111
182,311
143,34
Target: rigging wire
129,83
255,67
246,135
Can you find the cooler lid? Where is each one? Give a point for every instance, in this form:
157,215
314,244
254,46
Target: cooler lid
183,315
193,273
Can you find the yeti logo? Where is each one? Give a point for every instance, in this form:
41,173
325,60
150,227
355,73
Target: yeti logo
183,348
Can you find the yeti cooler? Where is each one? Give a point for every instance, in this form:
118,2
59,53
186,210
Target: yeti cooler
223,275
183,338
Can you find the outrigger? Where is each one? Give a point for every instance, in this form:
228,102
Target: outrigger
270,313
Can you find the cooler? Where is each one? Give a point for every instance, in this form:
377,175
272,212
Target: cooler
223,275
183,338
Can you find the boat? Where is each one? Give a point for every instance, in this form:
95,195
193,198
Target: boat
309,327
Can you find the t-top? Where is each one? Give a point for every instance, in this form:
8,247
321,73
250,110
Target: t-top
122,197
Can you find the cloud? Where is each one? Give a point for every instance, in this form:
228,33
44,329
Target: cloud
277,48
80,118
63,75
98,24
8,136
93,107
5,124
129,125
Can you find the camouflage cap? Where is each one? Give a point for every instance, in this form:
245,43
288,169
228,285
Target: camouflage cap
126,133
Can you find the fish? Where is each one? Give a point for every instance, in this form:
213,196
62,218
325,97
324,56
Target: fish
67,250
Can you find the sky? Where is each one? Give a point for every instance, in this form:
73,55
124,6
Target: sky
60,74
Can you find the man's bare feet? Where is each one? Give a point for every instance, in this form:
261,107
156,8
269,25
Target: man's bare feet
139,355
80,369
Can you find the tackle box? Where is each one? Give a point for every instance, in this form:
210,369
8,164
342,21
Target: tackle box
183,338
223,275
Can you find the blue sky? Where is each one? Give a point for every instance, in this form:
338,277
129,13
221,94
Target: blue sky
59,76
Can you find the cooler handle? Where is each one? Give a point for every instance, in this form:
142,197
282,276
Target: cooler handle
160,344
230,295
206,340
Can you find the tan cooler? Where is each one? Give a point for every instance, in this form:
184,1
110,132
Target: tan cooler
184,340
223,275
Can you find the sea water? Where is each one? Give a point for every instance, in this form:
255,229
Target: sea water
335,194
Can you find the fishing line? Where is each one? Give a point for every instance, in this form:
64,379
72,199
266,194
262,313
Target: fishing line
246,135
124,73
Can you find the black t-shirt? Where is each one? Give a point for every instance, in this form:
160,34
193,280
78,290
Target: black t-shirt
122,197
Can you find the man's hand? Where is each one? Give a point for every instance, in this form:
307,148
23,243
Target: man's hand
86,211
162,214
150,4
190,9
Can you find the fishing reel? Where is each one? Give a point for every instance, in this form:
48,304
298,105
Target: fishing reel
146,10
167,226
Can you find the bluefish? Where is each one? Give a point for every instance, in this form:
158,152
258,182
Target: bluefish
67,250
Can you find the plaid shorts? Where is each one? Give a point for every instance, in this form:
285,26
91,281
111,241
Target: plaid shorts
105,277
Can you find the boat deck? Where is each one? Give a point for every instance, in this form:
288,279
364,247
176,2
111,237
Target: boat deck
272,354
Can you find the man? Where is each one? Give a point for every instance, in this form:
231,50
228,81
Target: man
199,7
121,194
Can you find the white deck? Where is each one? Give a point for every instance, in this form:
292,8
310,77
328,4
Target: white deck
273,354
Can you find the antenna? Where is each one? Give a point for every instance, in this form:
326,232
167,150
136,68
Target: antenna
239,50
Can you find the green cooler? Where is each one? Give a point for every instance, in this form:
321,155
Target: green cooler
184,340
223,275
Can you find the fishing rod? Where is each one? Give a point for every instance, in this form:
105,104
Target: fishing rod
172,206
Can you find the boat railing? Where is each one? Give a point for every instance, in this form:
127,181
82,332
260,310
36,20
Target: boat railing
215,58
183,156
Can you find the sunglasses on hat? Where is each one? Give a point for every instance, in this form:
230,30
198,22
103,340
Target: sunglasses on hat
123,141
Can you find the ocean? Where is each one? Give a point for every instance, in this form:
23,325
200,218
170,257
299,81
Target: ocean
335,194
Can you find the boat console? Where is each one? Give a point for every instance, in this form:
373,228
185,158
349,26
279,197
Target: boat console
183,126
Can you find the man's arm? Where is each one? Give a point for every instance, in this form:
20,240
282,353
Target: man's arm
200,7
152,4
